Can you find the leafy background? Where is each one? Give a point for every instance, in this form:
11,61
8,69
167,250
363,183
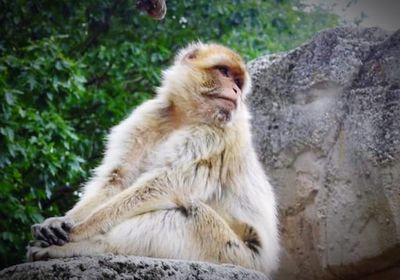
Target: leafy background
70,70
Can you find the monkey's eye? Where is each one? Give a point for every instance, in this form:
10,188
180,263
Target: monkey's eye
238,82
224,70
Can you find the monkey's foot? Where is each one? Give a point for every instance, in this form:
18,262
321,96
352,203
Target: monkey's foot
37,250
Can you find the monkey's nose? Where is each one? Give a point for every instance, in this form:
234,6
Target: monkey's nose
235,90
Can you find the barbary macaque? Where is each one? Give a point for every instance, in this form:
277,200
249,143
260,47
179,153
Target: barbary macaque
180,177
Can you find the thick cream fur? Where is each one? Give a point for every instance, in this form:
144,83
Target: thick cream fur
175,190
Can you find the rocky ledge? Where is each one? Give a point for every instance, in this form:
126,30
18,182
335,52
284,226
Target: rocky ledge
123,267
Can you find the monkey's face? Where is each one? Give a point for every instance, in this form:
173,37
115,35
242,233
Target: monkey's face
221,93
209,82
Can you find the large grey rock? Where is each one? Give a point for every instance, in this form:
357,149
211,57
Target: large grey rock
327,128
120,267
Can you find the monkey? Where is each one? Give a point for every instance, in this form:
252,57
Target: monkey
180,177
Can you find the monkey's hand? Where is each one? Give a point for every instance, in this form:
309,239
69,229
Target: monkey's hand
54,231
37,250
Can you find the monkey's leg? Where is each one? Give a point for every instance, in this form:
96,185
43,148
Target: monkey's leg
193,232
216,240
39,250
154,234
203,223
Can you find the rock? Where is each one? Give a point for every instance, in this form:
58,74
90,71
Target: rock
326,120
122,267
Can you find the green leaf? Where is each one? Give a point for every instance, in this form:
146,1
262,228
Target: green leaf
10,98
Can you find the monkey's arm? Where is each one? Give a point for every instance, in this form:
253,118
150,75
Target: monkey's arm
149,193
183,171
128,144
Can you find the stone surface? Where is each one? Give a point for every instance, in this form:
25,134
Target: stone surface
121,267
326,120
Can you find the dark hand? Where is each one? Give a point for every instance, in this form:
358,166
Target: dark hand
54,231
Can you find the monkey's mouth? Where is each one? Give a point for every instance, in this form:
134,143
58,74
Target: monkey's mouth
224,101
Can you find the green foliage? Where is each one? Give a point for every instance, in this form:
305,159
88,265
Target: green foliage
69,71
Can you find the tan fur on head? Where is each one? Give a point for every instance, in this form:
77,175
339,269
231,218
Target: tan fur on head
205,56
193,75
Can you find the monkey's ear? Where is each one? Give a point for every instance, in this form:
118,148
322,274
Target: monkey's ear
192,54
